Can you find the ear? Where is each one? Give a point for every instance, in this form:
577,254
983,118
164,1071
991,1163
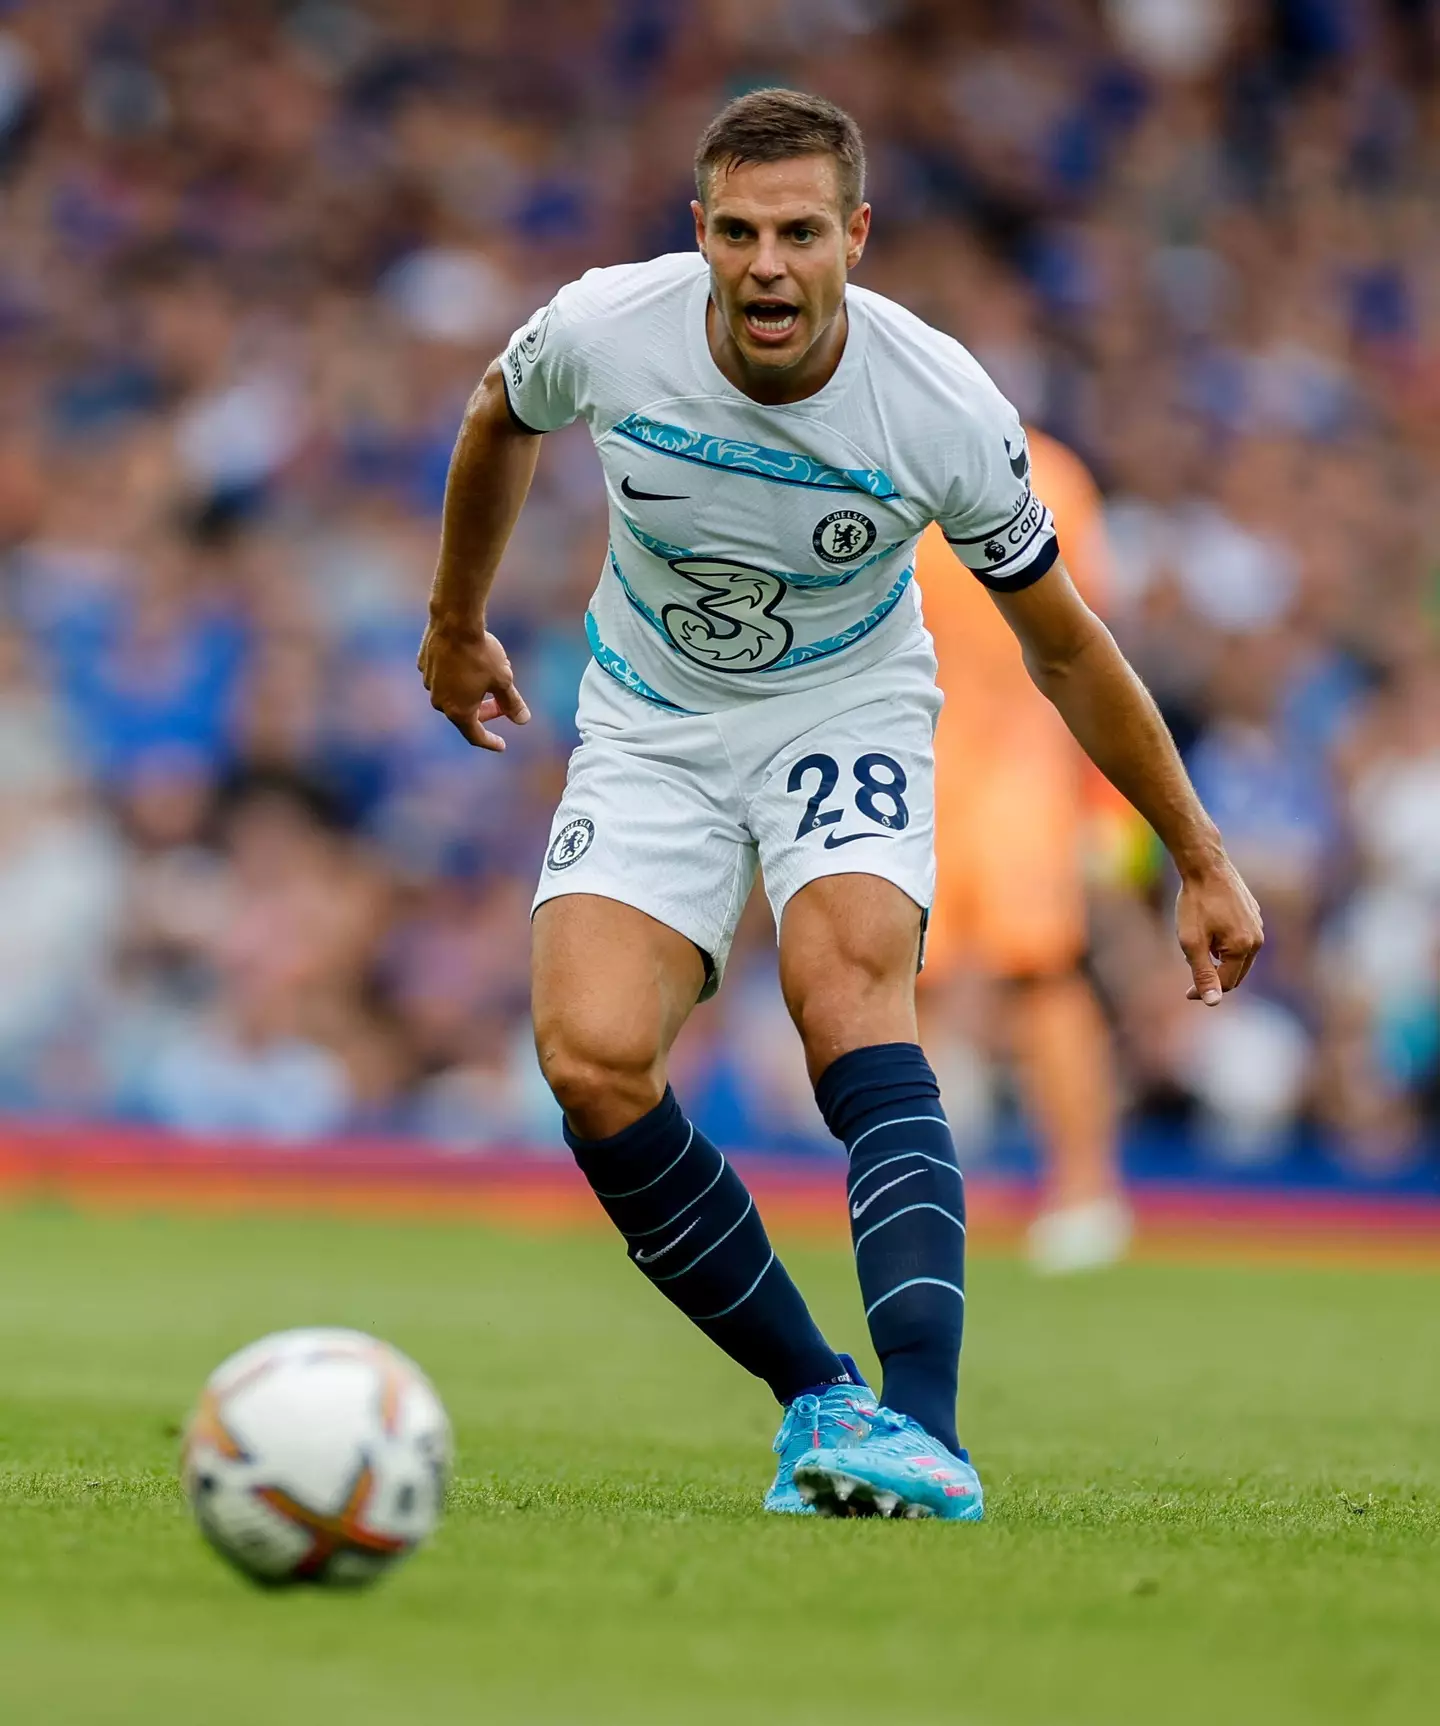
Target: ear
856,233
697,209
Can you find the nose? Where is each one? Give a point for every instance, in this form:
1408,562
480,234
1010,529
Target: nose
767,266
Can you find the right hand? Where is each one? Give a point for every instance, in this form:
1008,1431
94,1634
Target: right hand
470,680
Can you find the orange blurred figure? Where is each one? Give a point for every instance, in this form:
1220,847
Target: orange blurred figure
1016,804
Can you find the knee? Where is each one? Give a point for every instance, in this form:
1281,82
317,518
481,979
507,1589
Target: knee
849,995
852,1007
604,1083
843,990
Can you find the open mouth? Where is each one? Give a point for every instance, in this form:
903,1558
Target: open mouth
770,320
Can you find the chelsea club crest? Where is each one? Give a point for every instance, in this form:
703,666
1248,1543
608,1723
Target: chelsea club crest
844,535
571,843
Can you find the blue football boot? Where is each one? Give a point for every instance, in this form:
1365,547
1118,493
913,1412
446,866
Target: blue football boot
896,1469
833,1418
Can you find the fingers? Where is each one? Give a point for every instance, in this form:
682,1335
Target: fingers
511,702
1233,967
1206,986
490,708
469,722
1205,980
1217,972
470,728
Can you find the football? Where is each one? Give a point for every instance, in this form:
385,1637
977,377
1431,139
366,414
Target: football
316,1456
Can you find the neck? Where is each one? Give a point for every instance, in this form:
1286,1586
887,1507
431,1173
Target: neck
774,386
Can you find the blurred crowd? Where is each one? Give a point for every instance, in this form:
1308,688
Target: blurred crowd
257,253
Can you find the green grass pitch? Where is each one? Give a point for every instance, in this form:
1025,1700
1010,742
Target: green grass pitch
1214,1496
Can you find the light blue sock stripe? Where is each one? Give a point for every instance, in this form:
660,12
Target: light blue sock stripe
899,1121
905,1211
903,1157
915,1282
643,1234
660,1177
749,1206
725,1311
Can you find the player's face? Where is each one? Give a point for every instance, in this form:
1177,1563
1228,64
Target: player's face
779,248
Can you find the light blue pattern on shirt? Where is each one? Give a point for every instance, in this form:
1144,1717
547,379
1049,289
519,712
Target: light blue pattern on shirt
625,673
735,455
791,577
639,604
847,637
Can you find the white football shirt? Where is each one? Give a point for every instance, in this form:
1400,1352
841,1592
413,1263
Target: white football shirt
758,550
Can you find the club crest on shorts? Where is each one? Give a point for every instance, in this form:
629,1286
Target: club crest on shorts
571,843
844,535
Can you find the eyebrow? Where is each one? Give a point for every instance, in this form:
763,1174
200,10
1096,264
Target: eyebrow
811,219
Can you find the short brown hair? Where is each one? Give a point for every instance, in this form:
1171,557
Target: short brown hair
775,125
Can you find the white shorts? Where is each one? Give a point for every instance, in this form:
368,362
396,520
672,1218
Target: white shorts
673,813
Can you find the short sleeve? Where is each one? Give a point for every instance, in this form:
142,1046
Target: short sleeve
541,367
995,524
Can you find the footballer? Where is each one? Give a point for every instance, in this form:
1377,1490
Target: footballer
762,696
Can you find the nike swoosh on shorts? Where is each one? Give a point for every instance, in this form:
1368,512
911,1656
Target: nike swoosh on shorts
832,839
651,496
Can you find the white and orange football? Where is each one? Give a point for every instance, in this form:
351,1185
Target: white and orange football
317,1456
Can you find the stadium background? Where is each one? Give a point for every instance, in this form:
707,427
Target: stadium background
256,255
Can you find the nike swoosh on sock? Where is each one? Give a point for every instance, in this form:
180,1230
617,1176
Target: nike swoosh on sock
860,1209
660,1252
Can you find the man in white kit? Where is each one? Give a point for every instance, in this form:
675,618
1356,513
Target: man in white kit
762,694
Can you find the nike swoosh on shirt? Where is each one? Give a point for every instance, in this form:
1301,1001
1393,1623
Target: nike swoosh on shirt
660,1252
834,839
860,1209
651,496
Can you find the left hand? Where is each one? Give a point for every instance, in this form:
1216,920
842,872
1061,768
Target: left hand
1220,930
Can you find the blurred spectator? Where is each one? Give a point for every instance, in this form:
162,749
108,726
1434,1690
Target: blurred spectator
61,873
256,257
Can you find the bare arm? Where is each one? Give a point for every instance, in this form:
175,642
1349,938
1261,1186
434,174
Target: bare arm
464,666
1072,658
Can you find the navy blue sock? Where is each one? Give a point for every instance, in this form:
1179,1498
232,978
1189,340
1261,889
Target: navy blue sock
692,1227
907,1221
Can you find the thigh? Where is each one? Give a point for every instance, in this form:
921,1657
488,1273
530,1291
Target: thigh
849,951
609,984
652,819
